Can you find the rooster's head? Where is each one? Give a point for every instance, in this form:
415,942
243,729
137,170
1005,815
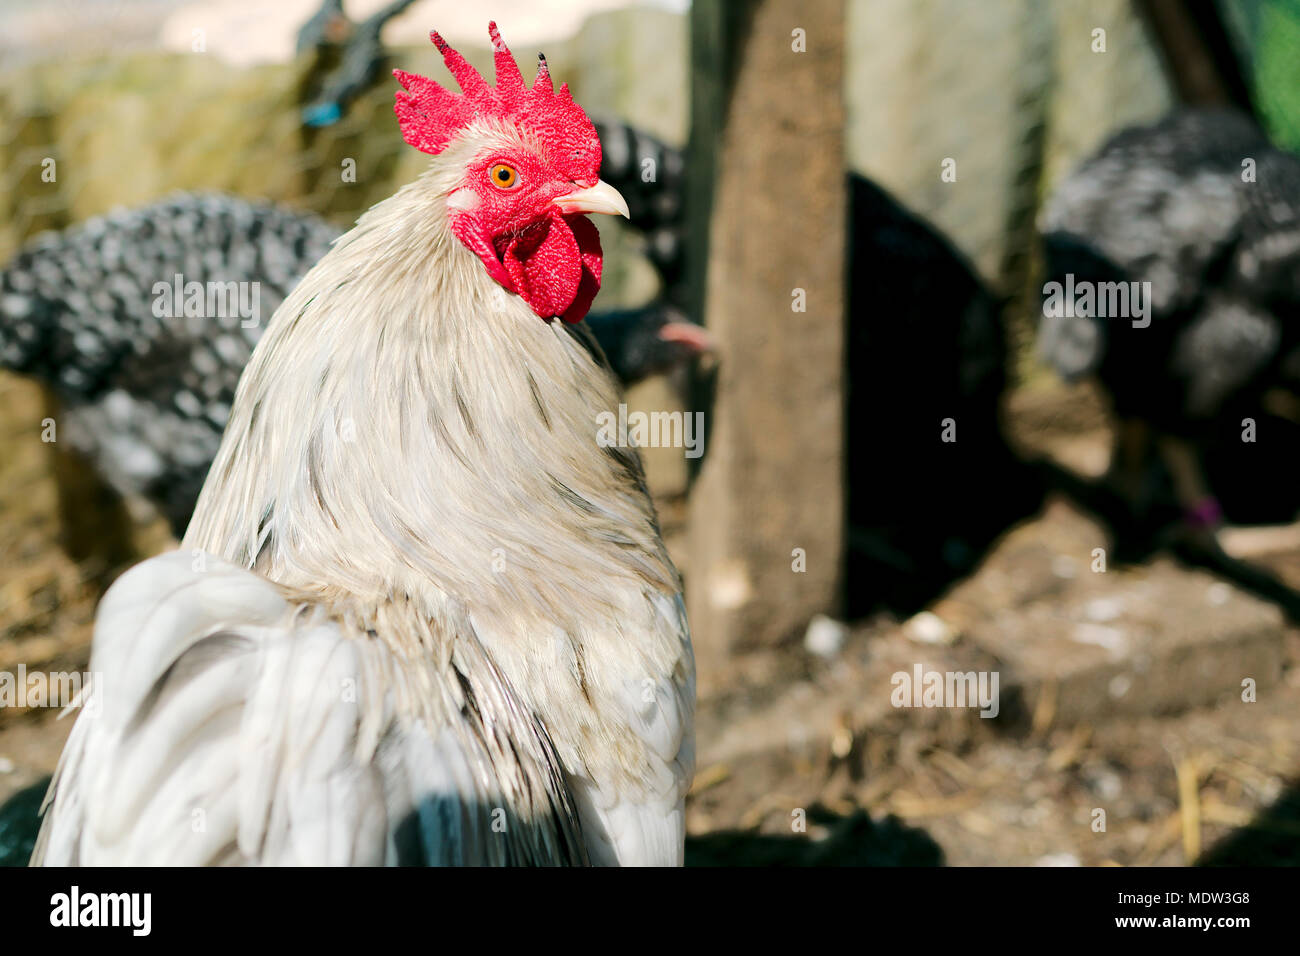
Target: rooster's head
531,170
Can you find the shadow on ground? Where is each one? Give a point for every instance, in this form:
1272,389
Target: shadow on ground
1271,839
853,840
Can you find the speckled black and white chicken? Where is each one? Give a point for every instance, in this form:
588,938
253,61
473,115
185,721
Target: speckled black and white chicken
146,396
1203,208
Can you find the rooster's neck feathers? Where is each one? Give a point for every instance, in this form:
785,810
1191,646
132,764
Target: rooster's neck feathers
407,421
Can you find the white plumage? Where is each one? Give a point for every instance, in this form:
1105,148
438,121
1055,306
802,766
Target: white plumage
419,615
285,739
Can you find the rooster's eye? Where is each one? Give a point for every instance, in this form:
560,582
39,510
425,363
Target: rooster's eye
503,176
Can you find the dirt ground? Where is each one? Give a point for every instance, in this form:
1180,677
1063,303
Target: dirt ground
1124,737
1213,781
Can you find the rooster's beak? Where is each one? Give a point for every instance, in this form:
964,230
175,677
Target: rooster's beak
601,197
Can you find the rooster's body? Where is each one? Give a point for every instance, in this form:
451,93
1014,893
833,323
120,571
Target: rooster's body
419,615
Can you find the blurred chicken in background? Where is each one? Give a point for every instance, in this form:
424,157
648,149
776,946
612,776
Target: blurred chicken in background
1202,215
146,397
927,369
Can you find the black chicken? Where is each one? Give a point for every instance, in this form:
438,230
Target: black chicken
651,340
931,480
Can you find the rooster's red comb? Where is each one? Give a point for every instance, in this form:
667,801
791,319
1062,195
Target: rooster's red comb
431,116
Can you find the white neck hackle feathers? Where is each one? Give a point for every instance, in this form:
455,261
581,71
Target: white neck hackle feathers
403,421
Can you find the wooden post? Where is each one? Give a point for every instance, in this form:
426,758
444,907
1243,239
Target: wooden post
766,513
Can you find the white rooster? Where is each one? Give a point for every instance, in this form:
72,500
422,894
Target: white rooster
420,615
